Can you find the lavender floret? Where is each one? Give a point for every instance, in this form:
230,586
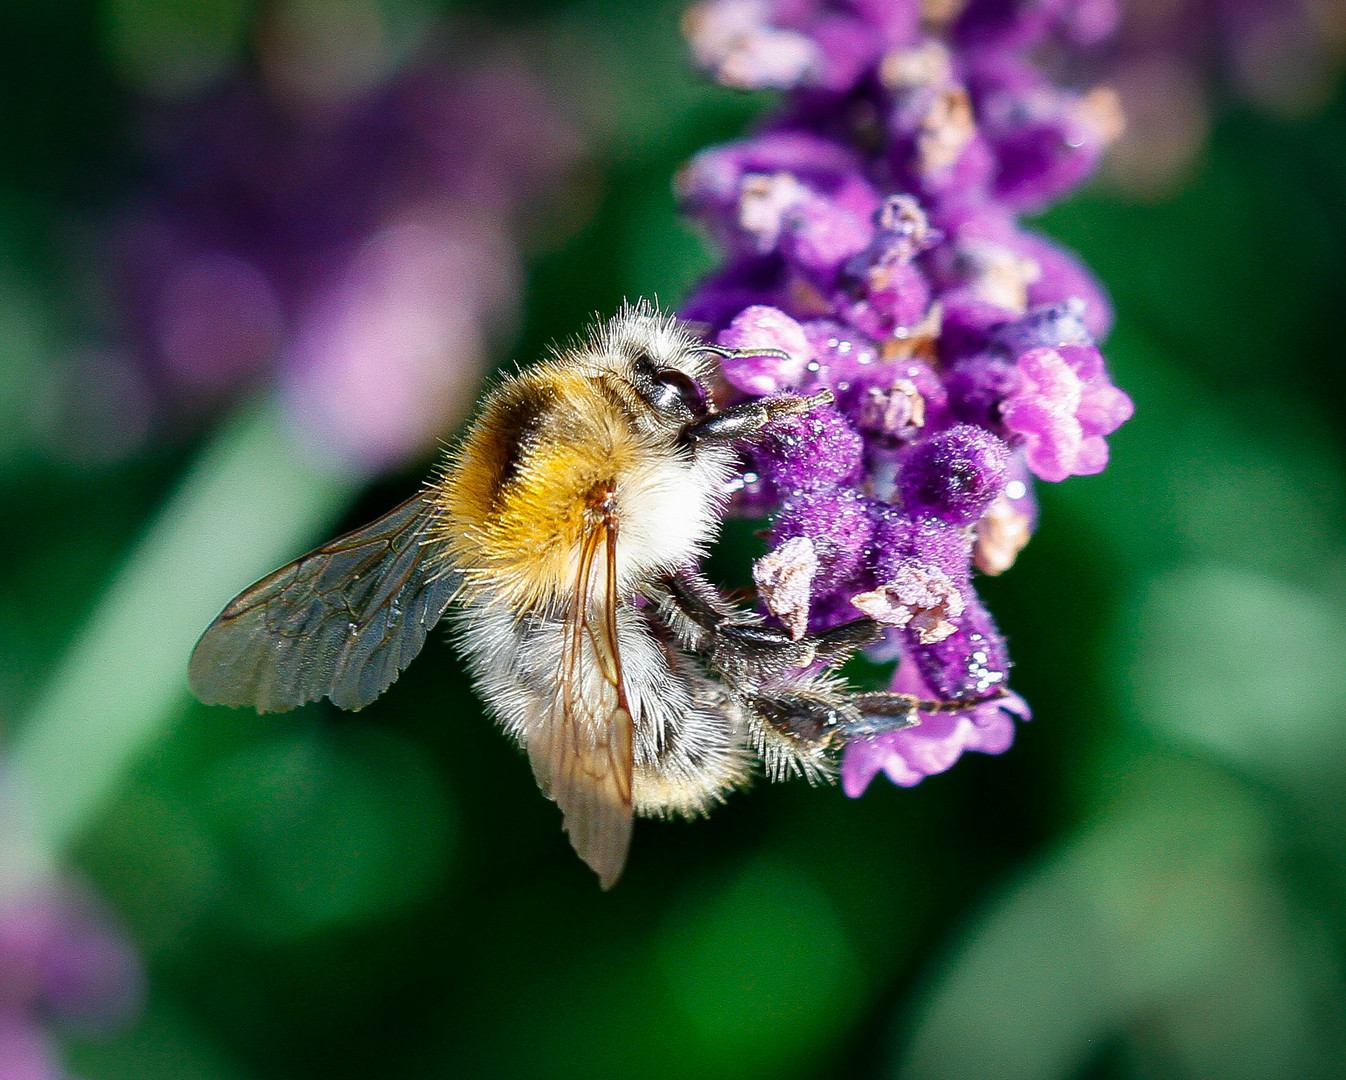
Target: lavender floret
955,475
872,232
1062,408
907,757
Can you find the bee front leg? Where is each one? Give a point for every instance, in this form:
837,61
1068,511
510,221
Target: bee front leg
747,419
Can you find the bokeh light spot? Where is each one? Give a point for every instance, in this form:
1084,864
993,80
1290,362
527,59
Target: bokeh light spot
328,828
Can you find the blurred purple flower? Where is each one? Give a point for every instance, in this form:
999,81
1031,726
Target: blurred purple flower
62,964
872,232
360,250
1174,64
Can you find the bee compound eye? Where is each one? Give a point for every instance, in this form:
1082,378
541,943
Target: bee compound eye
678,390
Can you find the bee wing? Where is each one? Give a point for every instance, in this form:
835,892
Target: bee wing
583,754
340,622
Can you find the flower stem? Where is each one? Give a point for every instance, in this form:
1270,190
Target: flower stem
247,504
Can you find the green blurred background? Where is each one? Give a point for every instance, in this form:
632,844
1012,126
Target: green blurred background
1150,884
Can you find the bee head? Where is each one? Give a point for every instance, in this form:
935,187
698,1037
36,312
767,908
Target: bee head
667,366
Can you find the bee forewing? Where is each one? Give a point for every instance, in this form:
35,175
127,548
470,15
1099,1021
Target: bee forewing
340,622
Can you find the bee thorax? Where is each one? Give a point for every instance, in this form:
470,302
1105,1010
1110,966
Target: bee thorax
556,458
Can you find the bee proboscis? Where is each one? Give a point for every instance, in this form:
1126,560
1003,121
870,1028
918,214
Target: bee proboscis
566,530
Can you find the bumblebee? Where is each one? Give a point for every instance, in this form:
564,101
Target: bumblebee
566,531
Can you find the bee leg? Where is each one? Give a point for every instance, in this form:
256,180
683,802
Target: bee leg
822,716
747,419
739,646
837,645
882,711
799,730
735,643
693,609
759,654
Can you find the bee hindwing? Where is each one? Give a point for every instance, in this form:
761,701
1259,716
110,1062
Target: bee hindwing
340,622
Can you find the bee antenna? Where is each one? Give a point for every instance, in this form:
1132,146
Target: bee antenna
726,353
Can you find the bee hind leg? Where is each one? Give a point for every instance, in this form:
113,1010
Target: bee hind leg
800,730
880,712
798,721
822,714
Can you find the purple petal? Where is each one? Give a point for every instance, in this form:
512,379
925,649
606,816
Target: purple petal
762,327
1062,390
26,1051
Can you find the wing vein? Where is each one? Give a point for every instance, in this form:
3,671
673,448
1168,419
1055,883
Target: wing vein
335,623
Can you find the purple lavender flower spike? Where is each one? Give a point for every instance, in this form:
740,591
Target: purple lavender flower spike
820,236
27,1052
872,231
363,253
883,292
922,578
735,42
895,404
916,597
839,351
745,282
994,25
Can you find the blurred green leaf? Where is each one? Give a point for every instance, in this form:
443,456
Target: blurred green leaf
1162,913
164,1044
247,504
158,863
1241,664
